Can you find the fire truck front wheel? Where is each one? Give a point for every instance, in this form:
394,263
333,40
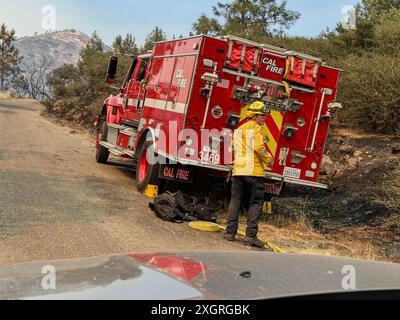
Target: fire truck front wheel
146,172
102,153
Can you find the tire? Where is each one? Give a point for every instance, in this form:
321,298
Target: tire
146,173
102,153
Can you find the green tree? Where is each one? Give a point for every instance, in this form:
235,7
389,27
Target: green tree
77,93
387,32
373,9
251,19
207,26
377,25
117,44
156,35
129,45
94,45
125,45
63,80
364,34
91,56
353,40
9,56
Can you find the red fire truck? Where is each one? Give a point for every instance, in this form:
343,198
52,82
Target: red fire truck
178,107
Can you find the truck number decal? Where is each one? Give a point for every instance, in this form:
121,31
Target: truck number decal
211,157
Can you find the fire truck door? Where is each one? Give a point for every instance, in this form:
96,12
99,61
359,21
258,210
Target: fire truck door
130,101
136,91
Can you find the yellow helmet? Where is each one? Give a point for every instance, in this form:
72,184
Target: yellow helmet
256,108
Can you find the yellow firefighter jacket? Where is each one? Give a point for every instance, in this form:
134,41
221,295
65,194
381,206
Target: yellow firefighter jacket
251,156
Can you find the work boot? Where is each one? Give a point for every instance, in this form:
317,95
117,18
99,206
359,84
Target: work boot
229,237
255,242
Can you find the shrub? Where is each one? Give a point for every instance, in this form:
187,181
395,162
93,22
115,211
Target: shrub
327,49
78,92
369,92
387,33
391,197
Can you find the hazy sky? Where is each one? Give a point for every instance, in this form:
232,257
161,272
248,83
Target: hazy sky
110,18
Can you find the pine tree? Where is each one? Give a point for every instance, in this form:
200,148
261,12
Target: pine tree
207,26
94,45
155,36
92,64
129,45
373,9
117,44
9,56
125,45
251,19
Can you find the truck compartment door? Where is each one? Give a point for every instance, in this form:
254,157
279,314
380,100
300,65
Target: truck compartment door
180,89
159,86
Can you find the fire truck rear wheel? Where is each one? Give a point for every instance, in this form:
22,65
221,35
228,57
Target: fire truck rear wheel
102,153
146,173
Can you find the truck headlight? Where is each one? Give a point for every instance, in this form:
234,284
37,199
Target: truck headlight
217,112
314,166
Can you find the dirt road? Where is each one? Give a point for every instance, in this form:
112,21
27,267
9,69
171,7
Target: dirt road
56,202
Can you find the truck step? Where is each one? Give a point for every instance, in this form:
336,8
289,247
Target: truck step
130,132
112,148
115,151
126,130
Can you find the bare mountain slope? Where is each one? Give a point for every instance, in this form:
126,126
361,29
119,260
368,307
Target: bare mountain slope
57,47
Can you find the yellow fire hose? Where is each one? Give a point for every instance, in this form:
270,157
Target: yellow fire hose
214,227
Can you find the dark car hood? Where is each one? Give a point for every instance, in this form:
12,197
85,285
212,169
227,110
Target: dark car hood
194,275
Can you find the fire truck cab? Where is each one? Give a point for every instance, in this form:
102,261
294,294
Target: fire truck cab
178,107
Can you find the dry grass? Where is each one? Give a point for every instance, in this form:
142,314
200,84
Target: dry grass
4,96
392,189
300,238
391,198
355,134
295,235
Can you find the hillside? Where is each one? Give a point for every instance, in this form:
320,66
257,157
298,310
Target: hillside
58,47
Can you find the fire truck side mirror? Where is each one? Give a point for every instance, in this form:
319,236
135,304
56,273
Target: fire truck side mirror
112,70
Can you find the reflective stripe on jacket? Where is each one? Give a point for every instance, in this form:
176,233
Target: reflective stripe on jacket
251,156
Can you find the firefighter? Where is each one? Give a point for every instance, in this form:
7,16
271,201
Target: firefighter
267,208
251,161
